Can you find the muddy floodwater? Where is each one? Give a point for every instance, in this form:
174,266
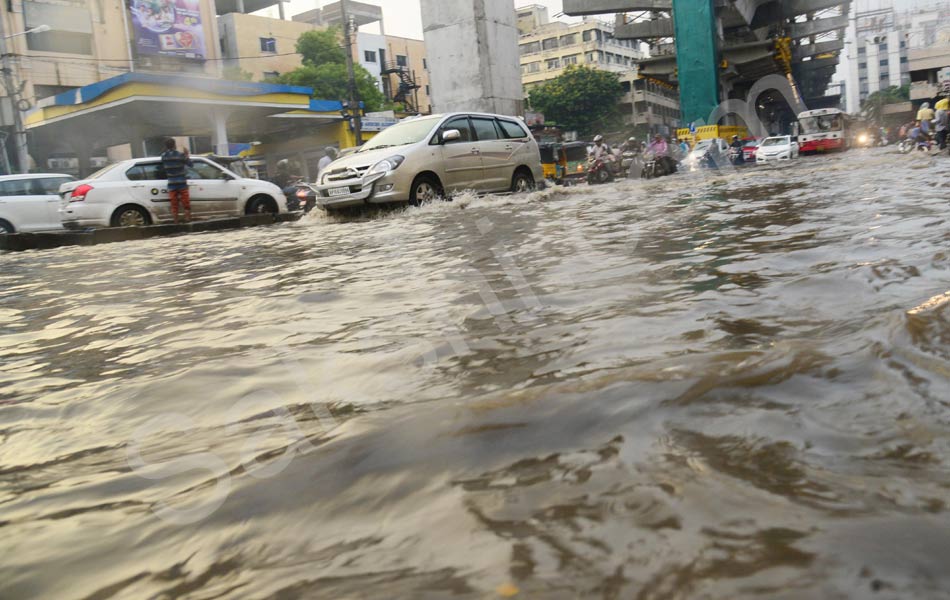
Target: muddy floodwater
708,386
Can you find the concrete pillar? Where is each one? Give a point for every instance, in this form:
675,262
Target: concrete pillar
137,145
280,10
219,132
472,50
697,57
240,6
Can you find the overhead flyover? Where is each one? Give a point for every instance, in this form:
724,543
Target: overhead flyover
799,40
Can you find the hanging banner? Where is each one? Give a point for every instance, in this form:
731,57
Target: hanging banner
168,28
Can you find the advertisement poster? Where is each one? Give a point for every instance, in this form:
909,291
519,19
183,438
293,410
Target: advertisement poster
168,28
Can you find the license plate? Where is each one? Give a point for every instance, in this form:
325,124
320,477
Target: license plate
340,191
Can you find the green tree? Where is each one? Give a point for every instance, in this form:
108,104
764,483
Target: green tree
874,105
581,98
324,70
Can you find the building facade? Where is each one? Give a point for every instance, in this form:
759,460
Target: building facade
261,47
547,50
888,47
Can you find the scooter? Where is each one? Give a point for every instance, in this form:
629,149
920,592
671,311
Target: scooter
657,166
599,170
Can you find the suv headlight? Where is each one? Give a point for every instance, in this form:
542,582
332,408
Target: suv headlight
385,166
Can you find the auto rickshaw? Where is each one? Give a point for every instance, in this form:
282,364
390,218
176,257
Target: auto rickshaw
573,163
550,160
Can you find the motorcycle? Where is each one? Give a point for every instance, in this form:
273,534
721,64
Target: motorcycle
631,165
300,196
657,166
736,156
599,170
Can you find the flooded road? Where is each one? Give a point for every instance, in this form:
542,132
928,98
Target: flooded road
730,386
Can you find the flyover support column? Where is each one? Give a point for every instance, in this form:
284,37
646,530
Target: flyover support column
219,132
697,57
473,56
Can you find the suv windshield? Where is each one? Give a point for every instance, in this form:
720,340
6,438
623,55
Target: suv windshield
407,132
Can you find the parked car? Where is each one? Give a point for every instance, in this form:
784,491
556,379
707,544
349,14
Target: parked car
134,193
425,158
30,202
777,148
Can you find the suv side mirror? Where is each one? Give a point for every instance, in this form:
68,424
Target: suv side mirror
451,135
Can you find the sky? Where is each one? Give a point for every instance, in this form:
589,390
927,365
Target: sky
404,17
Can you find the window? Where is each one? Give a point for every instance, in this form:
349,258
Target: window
49,185
903,59
549,44
271,75
402,61
427,91
460,123
485,129
268,44
570,60
568,40
863,65
369,56
146,172
425,64
512,130
588,35
862,50
593,57
203,170
534,67
16,187
554,63
884,63
69,25
530,48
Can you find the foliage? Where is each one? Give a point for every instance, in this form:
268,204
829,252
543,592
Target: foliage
874,105
236,73
581,99
324,70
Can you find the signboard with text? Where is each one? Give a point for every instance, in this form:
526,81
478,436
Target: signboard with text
168,28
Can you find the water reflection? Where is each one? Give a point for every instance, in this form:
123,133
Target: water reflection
712,386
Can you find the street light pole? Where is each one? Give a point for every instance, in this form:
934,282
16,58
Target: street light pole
13,93
354,97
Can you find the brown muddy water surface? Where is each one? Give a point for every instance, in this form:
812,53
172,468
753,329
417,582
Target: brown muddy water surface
732,386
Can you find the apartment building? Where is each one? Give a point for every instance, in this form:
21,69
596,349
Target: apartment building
547,50
260,46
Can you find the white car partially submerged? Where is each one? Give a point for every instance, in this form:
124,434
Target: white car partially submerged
134,193
777,149
30,202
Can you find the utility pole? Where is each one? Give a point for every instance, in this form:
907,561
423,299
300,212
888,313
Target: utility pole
13,94
356,121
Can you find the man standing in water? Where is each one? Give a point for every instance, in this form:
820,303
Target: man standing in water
175,164
330,155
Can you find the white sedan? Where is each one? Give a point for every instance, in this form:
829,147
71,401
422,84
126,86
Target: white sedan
30,202
776,149
134,193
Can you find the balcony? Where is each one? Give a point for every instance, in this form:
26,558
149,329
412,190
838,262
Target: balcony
922,90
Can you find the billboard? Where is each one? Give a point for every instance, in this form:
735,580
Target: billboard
168,28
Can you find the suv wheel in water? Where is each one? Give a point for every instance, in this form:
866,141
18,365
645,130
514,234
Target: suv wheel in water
260,205
131,216
522,182
6,227
425,189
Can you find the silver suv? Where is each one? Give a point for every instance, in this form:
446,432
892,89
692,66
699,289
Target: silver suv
425,158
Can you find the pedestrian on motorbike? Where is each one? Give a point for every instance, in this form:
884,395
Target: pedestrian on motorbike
661,153
601,150
631,146
924,116
738,156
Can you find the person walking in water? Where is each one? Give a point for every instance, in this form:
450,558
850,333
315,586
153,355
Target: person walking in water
175,164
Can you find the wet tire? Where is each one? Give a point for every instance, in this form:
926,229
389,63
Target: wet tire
522,182
6,227
261,205
603,176
425,188
131,216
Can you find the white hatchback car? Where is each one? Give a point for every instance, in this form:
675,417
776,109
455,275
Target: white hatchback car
30,202
134,193
777,148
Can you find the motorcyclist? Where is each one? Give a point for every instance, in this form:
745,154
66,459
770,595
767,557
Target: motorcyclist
738,156
631,146
924,116
661,153
601,150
